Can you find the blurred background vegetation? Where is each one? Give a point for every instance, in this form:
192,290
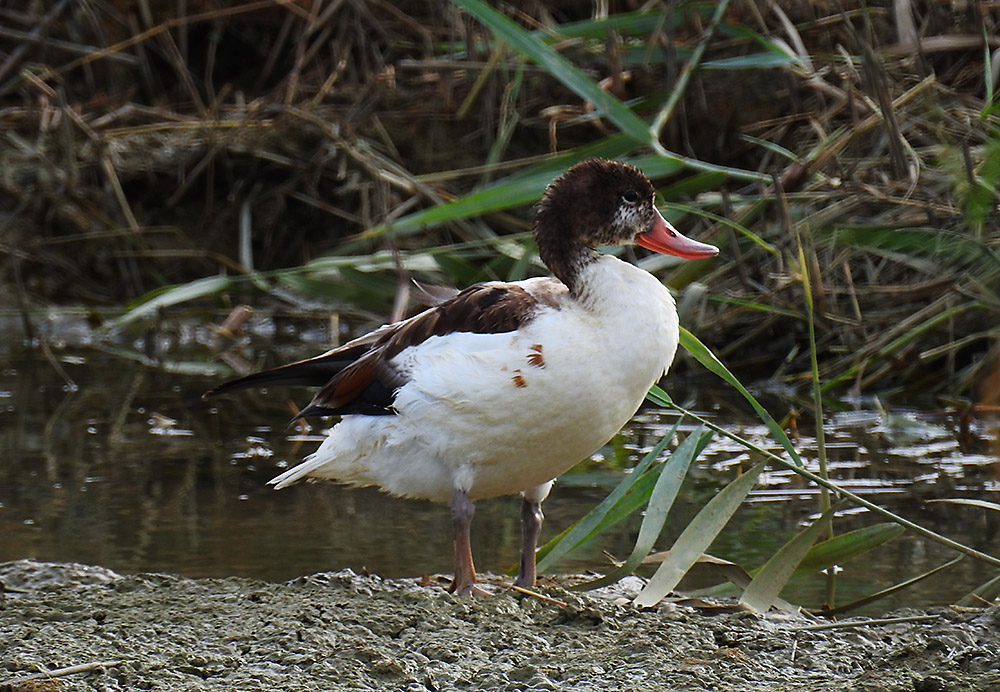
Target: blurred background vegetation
323,153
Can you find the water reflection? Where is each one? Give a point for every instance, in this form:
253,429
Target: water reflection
129,469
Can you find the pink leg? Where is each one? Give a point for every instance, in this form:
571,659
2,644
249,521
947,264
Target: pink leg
462,511
531,528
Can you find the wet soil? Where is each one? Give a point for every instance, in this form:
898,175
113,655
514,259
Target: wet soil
342,631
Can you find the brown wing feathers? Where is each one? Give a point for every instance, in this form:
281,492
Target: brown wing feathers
356,389
314,372
357,377
484,309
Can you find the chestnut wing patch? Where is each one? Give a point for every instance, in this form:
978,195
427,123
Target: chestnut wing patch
355,389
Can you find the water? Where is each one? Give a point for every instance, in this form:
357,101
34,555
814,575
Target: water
109,461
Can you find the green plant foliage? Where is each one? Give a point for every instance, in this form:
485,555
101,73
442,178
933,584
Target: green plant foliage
625,23
559,67
969,502
524,187
896,588
911,242
838,550
985,594
668,483
602,516
979,198
847,546
704,355
767,584
697,536
169,296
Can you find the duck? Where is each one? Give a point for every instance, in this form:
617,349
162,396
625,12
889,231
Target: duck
506,385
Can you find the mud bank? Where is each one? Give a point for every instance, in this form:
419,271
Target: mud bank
342,631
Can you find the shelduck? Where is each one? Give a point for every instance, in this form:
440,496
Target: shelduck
506,385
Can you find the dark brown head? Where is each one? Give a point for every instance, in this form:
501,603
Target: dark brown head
599,202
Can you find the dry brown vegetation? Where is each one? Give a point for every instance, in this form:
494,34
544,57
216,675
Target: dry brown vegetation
136,138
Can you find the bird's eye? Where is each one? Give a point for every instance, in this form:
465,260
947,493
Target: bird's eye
630,196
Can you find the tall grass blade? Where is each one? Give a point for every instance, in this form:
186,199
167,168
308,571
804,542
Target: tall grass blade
879,595
518,189
985,504
559,67
766,586
624,24
910,243
987,593
527,186
694,185
834,551
671,475
778,48
680,84
520,268
704,355
592,523
755,61
637,496
804,268
847,546
171,295
179,367
736,226
697,537
988,85
842,492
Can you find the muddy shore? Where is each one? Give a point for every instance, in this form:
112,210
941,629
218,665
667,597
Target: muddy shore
342,631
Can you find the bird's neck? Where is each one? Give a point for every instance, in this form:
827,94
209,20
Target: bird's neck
633,311
609,287
565,257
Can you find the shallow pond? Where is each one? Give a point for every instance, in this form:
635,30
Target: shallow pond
111,461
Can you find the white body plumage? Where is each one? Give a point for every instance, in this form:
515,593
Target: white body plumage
497,414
